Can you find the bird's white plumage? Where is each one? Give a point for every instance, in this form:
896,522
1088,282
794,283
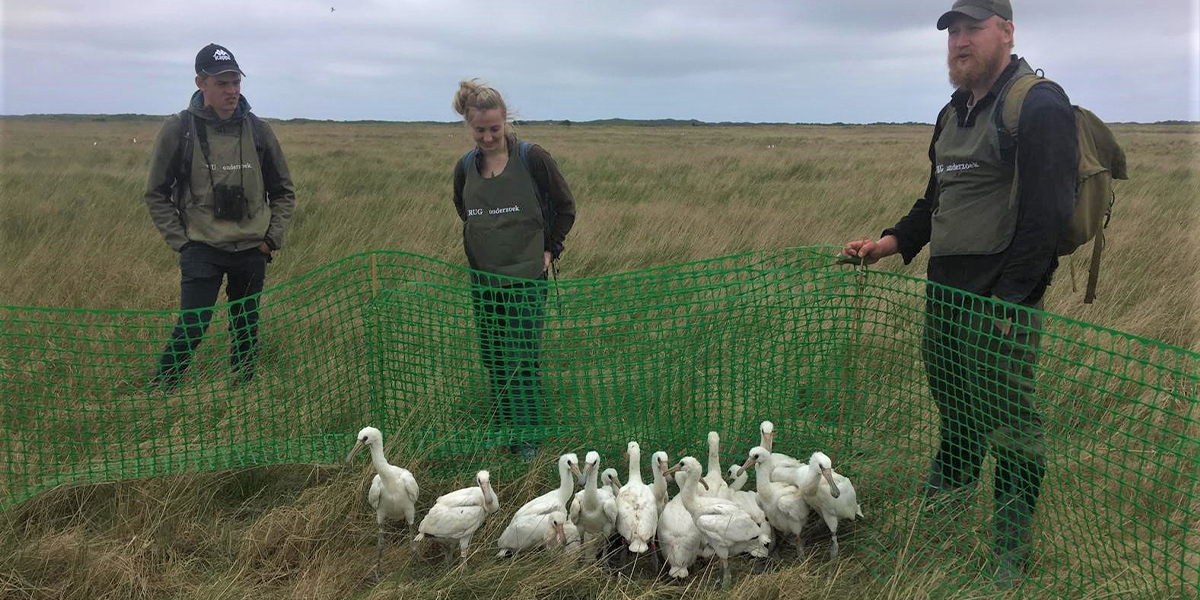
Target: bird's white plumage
819,494
532,523
678,538
748,500
782,503
715,478
723,524
459,514
659,463
594,509
637,511
782,464
394,491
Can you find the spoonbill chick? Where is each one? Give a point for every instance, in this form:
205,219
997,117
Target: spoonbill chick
458,515
659,464
678,538
594,510
723,524
780,463
831,495
531,525
393,492
715,478
748,500
782,503
637,511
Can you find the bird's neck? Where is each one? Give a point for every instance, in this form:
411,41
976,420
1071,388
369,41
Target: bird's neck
714,458
687,492
635,467
740,481
566,484
378,459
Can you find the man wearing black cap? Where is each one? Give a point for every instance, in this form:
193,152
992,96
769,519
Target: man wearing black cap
220,194
988,237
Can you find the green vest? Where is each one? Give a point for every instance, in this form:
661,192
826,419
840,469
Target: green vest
976,211
235,163
505,231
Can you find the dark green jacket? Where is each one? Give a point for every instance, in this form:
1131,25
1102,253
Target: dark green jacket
192,219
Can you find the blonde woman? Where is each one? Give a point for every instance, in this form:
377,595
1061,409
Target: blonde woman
516,210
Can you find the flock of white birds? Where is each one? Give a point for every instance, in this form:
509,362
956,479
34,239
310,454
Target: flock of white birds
709,516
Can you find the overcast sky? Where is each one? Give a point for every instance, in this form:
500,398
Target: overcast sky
735,60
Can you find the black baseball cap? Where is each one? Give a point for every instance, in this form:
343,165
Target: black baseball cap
214,60
976,9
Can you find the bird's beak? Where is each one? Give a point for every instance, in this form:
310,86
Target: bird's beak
578,475
357,446
587,472
673,470
561,530
487,497
833,488
704,483
746,465
768,440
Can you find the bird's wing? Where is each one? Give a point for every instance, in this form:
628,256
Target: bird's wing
410,485
471,496
648,514
452,521
576,505
373,493
610,508
542,505
728,522
793,505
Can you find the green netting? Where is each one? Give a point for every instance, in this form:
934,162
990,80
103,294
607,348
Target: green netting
465,376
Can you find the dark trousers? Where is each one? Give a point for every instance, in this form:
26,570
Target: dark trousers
202,269
509,320
982,381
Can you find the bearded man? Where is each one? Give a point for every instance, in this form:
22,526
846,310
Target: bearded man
987,239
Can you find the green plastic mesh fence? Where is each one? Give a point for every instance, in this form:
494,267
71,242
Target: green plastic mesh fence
976,434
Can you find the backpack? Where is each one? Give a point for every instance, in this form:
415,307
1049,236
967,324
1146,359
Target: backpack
468,161
181,161
1101,160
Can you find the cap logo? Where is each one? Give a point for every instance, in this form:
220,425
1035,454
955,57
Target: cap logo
220,55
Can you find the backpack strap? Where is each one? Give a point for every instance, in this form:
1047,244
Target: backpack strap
258,131
468,159
181,161
1008,116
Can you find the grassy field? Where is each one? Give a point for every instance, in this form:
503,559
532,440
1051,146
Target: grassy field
75,233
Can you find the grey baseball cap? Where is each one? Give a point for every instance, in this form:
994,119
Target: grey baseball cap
977,10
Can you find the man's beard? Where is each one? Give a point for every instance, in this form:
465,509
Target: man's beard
975,69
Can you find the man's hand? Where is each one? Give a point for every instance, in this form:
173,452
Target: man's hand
1000,319
871,251
264,248
546,261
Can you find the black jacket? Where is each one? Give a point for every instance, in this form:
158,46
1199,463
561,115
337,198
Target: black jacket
1047,151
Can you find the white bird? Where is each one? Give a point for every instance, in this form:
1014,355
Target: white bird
564,535
637,511
722,523
831,495
781,463
678,538
659,463
748,500
594,510
783,503
715,478
393,492
458,515
531,526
